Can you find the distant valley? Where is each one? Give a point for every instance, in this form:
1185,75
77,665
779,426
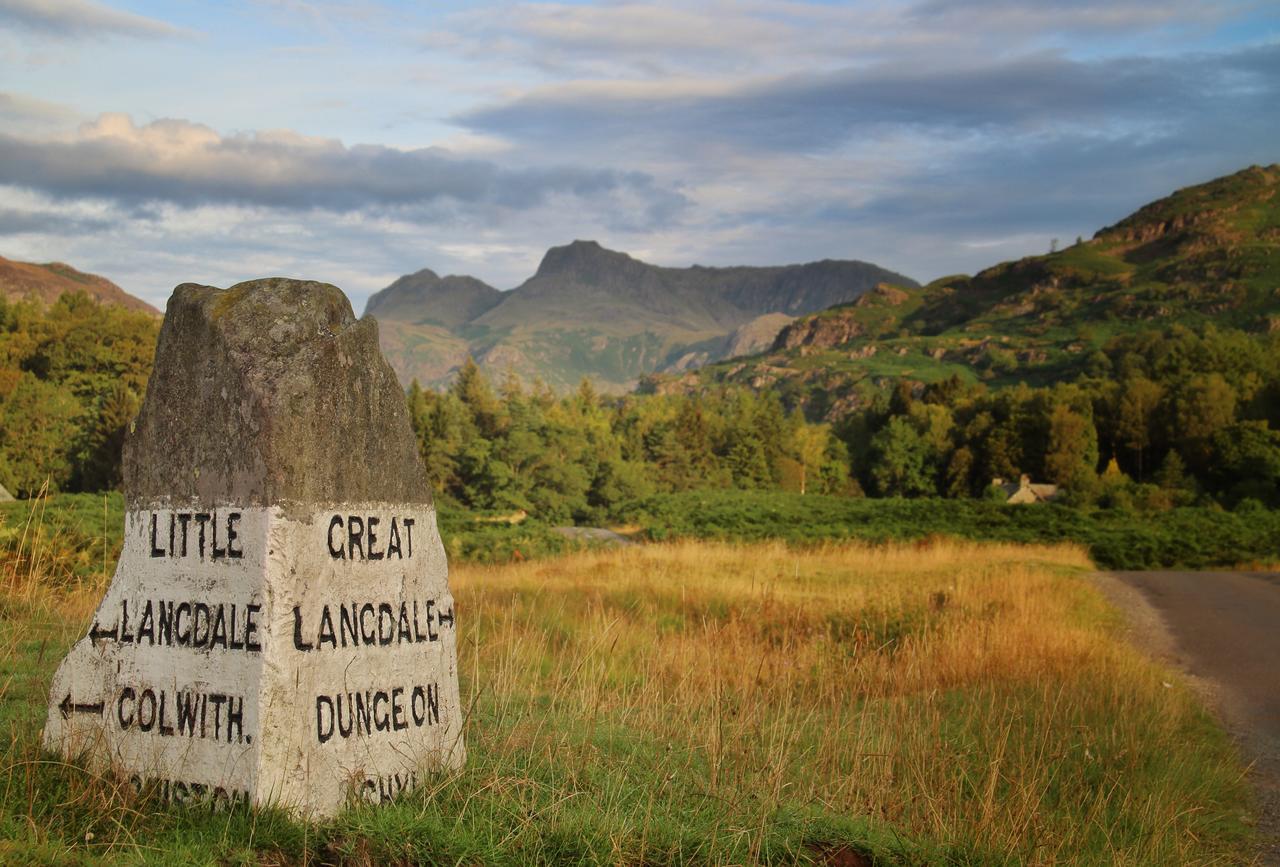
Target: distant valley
598,313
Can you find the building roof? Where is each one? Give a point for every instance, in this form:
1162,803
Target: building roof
1026,491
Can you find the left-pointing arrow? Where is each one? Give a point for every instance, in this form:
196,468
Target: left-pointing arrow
68,707
96,632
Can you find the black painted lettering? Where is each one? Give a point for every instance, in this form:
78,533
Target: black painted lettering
155,551
386,624
126,695
251,641
126,637
187,702
324,721
217,700
202,518
184,638
408,532
381,723
355,537
235,720
184,521
326,629
233,518
418,635
393,542
345,730
164,622
338,553
347,625
147,626
364,712
402,630
371,538
418,706
367,626
164,728
200,611
147,710
218,632
218,553
235,643
298,643
398,721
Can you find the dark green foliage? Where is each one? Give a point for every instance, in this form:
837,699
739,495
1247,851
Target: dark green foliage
583,458
71,380
1191,538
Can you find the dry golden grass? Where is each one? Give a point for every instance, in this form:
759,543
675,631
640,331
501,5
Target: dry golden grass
972,695
716,703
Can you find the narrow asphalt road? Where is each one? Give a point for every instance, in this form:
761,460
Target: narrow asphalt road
1224,628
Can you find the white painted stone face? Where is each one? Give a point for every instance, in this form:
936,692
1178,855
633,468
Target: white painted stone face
244,655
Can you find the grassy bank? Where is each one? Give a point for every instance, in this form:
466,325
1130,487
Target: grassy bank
1192,538
79,534
937,702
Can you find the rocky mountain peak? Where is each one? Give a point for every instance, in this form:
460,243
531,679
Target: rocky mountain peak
584,259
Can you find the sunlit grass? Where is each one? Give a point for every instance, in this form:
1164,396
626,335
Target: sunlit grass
710,702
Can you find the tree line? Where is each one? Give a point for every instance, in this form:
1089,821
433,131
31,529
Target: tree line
1158,418
1153,419
583,456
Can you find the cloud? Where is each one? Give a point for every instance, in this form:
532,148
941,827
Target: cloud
191,164
19,222
81,18
1122,17
824,111
24,112
773,37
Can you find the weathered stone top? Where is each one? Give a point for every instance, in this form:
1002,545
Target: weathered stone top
270,393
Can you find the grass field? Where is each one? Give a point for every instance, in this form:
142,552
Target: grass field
704,702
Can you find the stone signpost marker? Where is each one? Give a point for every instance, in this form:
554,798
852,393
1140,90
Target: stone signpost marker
279,628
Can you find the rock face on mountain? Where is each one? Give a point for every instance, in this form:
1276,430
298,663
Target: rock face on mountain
589,311
45,283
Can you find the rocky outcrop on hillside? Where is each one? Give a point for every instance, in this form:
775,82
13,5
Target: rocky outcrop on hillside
838,326
823,332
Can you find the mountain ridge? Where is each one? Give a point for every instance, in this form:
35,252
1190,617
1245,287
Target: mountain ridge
600,313
46,282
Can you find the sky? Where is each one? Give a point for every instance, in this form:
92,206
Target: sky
355,141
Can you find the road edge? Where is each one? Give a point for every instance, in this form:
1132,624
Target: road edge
1146,629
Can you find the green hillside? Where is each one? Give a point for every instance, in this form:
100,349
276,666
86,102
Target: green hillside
1208,254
